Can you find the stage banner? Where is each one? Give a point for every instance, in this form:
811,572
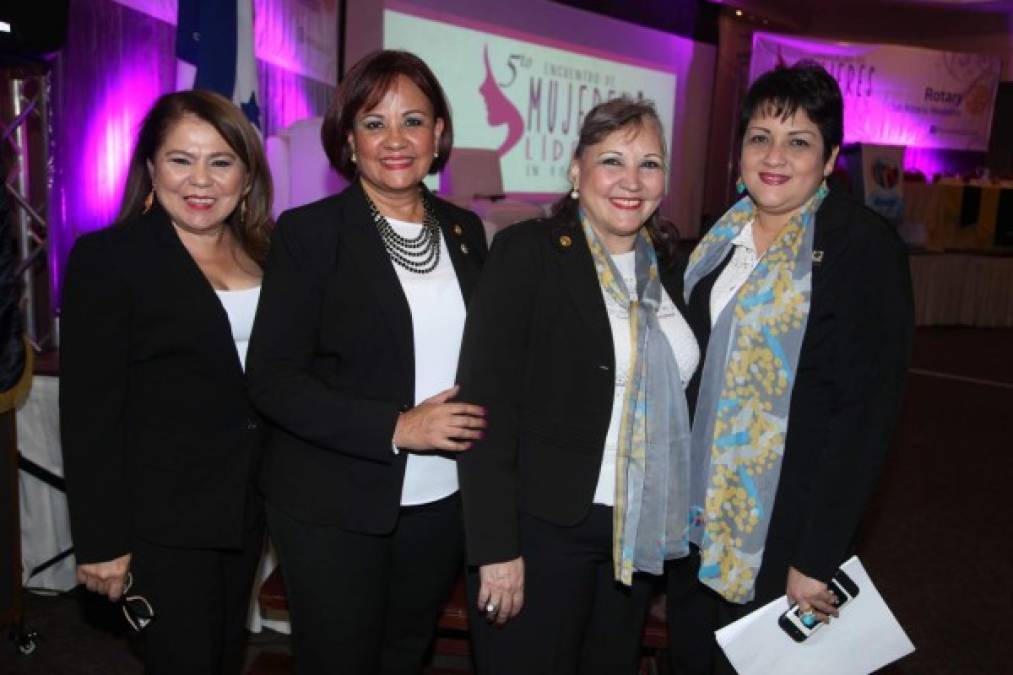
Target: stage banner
300,37
898,95
522,95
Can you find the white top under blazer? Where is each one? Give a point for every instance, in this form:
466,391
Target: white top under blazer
682,342
438,312
241,308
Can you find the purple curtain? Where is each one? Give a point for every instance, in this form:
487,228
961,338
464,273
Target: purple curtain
288,97
116,62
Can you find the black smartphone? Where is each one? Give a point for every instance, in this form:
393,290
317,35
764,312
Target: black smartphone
843,587
799,627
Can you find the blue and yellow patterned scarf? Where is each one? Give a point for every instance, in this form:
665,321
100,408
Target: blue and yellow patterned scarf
745,394
649,522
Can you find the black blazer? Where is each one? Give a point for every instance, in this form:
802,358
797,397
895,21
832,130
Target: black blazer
159,438
332,363
538,354
847,391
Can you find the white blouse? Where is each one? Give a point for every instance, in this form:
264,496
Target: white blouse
438,312
241,308
744,260
682,342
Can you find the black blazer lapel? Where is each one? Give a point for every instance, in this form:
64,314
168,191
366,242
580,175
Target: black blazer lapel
184,279
580,279
462,253
830,240
359,230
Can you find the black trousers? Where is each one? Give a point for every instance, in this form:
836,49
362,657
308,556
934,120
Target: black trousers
576,618
694,613
363,604
201,599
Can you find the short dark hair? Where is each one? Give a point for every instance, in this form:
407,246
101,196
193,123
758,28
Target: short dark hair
786,89
603,119
363,87
252,231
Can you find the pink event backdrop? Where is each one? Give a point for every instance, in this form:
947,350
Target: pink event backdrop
521,94
556,25
899,95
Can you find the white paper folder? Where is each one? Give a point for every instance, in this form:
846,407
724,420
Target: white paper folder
865,638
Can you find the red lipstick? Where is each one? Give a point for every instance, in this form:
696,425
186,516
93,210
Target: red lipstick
774,178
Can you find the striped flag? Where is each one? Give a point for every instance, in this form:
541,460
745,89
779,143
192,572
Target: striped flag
214,50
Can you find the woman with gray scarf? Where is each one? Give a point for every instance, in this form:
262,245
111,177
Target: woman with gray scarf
806,296
577,347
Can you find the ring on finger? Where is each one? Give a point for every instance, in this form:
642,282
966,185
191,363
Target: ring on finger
491,609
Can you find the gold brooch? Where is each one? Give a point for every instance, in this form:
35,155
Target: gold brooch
565,241
458,230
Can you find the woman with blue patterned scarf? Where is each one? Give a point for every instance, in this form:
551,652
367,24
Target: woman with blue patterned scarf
806,297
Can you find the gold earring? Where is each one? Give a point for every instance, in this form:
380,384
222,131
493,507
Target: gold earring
149,201
242,211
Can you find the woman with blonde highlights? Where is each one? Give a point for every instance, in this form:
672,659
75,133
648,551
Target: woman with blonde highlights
577,347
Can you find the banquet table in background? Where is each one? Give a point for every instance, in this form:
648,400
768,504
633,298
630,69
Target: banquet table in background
45,525
959,215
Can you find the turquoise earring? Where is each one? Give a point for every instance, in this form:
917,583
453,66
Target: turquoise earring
740,186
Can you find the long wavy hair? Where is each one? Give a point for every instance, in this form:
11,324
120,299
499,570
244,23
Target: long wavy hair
254,230
602,120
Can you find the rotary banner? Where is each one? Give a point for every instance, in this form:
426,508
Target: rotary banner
898,95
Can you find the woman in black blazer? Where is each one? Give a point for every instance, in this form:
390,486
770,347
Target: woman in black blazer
548,352
353,361
160,441
808,292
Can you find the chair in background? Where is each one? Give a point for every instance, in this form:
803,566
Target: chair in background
472,179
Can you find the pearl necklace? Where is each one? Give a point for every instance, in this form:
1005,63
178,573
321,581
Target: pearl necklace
419,254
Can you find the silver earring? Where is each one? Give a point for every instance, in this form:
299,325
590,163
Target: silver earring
436,154
354,158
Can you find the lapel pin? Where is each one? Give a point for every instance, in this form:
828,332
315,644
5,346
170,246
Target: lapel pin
817,256
458,230
565,241
464,249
